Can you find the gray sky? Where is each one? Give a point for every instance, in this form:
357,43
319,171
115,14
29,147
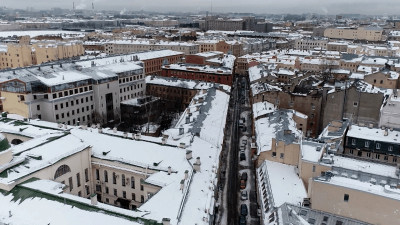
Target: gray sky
376,7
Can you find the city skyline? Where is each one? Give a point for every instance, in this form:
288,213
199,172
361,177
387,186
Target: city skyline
368,7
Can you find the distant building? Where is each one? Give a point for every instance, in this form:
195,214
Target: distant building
361,33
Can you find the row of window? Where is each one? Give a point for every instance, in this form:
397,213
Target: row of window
367,145
129,79
71,103
72,91
369,154
107,191
73,112
124,181
125,89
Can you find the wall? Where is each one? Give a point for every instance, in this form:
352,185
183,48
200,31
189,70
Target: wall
13,104
330,198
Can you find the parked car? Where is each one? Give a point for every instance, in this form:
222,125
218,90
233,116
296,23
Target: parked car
243,195
243,210
242,156
244,176
244,142
242,184
242,220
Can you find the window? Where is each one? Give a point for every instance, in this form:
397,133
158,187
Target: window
353,141
378,146
325,219
38,107
57,117
386,158
377,156
107,190
79,193
78,180
369,154
282,155
390,148
86,174
105,176
351,151
114,179
141,187
56,107
394,159
355,104
346,197
87,189
313,168
61,171
115,192
97,174
124,194
123,180
142,199
133,182
367,144
70,184
98,187
273,154
133,197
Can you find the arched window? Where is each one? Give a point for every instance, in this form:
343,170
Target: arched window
123,179
61,171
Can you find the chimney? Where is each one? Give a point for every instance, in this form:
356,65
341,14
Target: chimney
98,125
186,174
115,130
197,165
93,199
166,221
60,125
84,127
169,170
100,130
182,185
125,134
181,130
182,145
386,133
187,119
188,154
163,141
65,126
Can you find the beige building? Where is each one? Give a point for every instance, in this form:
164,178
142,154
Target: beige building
347,197
22,54
361,33
383,79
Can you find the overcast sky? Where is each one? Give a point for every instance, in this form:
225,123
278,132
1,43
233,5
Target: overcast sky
376,7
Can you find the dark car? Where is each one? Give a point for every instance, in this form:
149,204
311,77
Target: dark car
243,210
242,156
244,176
242,220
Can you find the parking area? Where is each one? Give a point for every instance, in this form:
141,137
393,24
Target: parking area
247,202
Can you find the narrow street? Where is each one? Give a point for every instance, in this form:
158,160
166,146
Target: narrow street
238,161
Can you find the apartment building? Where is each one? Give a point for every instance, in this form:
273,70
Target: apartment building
360,33
131,46
232,47
71,94
15,55
310,44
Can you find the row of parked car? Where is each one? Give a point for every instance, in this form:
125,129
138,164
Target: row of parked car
243,196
